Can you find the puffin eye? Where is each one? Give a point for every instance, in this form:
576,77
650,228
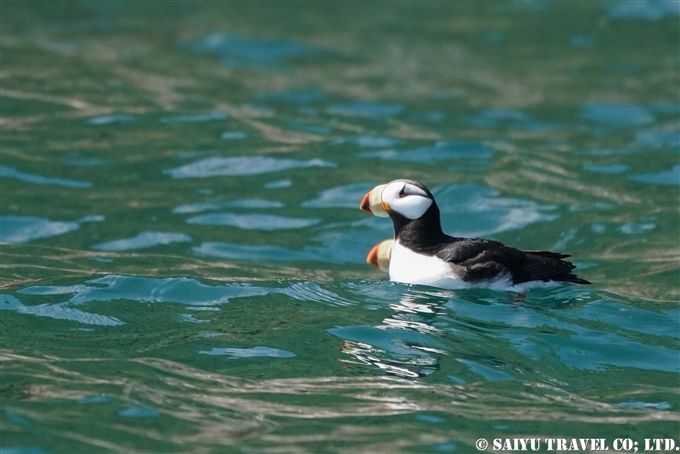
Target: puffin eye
402,193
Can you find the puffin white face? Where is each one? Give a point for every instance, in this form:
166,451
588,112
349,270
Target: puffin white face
406,199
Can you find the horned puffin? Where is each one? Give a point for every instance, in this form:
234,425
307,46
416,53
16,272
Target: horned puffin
423,254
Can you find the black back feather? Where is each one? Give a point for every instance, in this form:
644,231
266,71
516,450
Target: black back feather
477,260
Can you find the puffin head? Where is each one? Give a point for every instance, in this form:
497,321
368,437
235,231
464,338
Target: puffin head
372,202
407,198
380,255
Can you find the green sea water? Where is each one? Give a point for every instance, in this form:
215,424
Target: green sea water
183,259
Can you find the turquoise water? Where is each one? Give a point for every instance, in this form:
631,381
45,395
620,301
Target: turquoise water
183,258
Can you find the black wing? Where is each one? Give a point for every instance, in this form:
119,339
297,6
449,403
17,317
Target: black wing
477,260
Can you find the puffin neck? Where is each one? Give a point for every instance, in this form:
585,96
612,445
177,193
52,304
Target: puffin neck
422,234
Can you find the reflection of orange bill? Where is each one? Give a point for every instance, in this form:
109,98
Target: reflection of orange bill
380,255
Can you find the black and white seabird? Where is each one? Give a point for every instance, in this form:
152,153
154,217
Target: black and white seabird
423,254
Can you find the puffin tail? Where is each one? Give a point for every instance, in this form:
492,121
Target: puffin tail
549,254
574,279
550,266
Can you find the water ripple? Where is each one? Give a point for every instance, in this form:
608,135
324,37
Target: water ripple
311,291
505,118
181,290
651,10
667,177
111,119
243,203
278,184
367,141
234,135
10,172
199,118
336,246
266,222
340,197
607,168
22,229
150,290
658,139
293,96
242,52
138,412
242,165
441,151
617,115
142,241
366,109
268,253
255,352
57,312
475,211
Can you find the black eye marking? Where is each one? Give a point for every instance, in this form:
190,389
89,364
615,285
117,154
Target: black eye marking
402,193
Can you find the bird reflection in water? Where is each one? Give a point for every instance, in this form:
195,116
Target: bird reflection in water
410,359
420,366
